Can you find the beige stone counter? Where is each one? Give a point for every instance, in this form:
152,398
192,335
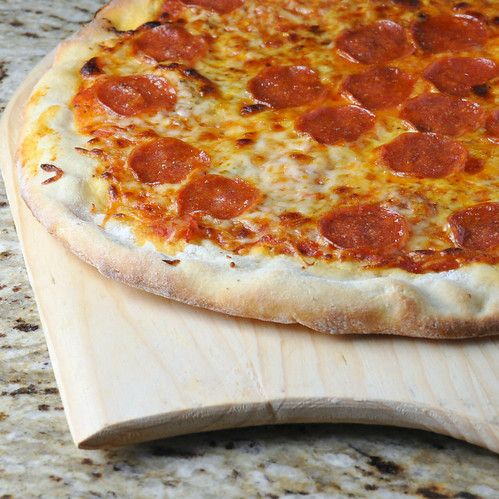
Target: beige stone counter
38,459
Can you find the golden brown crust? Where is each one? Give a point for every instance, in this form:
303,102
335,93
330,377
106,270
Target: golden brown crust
387,306
456,304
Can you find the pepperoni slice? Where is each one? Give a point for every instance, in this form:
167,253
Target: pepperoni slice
445,32
375,43
331,125
218,196
458,75
443,114
131,95
286,86
492,124
379,88
365,228
171,43
424,155
220,6
476,227
166,161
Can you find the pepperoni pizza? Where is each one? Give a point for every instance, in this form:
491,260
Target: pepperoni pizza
327,162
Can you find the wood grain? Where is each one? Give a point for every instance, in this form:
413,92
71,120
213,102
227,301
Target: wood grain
131,366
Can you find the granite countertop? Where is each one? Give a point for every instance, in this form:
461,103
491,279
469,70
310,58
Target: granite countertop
38,458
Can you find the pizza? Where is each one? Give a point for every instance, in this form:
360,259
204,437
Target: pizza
331,163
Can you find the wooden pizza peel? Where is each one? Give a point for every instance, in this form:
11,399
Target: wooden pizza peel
132,366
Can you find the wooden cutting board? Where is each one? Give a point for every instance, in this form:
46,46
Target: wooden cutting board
131,366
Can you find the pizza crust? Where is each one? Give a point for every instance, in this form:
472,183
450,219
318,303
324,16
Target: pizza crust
339,299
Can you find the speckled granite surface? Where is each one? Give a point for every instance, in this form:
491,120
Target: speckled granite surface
38,459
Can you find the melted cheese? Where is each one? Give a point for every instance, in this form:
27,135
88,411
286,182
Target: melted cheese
293,172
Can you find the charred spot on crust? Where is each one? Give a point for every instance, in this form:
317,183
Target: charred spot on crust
172,66
98,12
149,25
172,263
244,142
207,86
253,108
315,29
113,29
46,167
194,73
91,68
481,90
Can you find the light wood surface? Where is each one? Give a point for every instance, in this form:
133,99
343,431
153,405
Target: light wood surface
131,366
